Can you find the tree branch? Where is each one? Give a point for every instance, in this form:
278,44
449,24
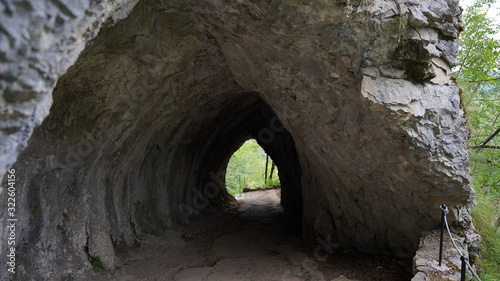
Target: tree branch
486,146
489,138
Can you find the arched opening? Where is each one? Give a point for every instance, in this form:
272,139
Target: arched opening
144,123
239,123
251,168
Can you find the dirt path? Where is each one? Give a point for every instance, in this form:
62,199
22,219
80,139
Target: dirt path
254,240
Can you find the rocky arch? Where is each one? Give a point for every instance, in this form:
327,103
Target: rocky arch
257,121
161,97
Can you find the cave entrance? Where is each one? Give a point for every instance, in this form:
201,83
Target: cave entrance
245,117
144,123
251,168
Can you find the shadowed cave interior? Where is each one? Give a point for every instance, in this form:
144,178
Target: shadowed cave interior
143,125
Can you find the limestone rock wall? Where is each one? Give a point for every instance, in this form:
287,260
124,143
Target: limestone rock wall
40,40
352,99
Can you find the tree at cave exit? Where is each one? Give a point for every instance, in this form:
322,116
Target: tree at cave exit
247,168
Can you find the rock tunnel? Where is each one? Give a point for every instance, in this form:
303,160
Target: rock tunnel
119,118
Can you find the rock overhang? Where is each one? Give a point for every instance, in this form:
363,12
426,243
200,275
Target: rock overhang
373,152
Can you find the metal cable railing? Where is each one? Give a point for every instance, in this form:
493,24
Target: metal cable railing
464,259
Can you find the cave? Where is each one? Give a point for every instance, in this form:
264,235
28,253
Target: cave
120,117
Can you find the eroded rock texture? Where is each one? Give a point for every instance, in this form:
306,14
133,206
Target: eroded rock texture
352,99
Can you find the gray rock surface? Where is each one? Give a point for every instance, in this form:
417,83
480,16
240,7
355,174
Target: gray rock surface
40,41
352,99
426,261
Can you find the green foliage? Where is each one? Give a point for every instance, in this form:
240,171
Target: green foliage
246,168
479,51
401,22
478,76
485,168
485,217
272,182
96,262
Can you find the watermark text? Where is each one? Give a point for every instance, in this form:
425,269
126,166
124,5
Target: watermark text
11,221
